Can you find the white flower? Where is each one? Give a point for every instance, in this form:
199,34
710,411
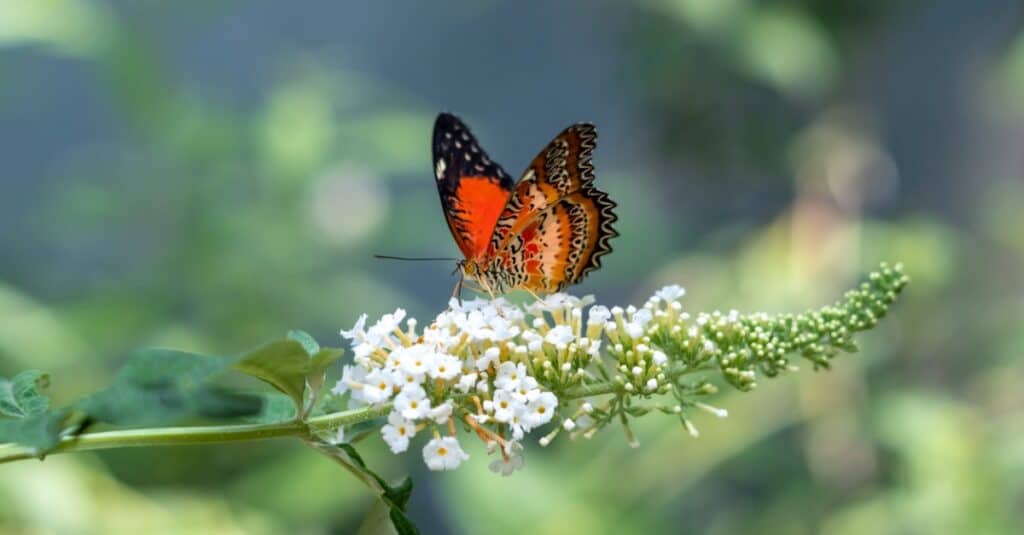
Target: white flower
502,329
440,334
490,357
719,413
397,432
506,465
671,292
441,413
466,382
518,427
568,424
391,361
358,331
527,391
509,375
634,330
561,334
363,350
473,323
412,403
540,410
416,359
379,386
406,380
387,323
445,367
351,376
659,358
598,314
443,454
642,317
504,405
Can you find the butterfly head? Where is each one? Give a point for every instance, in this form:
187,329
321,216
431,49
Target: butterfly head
468,268
475,271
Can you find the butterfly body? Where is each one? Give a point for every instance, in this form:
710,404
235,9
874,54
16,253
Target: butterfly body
542,233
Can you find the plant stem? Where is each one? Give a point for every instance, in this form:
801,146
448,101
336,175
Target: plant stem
182,436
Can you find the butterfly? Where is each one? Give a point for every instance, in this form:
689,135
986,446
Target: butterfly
542,233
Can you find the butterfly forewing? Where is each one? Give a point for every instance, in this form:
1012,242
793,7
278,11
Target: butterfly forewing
474,190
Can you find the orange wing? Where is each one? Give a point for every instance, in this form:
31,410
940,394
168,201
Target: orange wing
473,189
556,225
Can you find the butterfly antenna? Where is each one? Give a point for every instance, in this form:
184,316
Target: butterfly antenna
411,258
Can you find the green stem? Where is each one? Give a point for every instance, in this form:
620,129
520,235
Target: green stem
183,436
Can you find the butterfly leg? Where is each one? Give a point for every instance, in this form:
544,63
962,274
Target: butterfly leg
486,287
474,287
457,292
535,296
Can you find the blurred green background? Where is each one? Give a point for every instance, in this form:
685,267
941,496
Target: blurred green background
206,175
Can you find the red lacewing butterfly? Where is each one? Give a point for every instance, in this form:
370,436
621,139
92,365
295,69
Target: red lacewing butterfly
541,234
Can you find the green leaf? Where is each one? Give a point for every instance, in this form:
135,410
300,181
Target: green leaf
318,365
276,408
282,364
20,397
162,386
40,431
308,342
396,497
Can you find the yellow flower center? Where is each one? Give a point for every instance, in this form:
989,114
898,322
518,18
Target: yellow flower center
442,452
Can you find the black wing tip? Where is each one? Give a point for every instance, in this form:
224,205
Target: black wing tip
447,117
448,122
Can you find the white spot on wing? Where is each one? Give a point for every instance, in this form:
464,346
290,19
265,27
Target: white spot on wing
439,168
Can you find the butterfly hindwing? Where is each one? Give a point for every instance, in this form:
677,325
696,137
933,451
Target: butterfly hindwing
556,225
474,189
561,245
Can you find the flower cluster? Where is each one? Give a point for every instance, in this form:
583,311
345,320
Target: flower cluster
501,370
477,363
